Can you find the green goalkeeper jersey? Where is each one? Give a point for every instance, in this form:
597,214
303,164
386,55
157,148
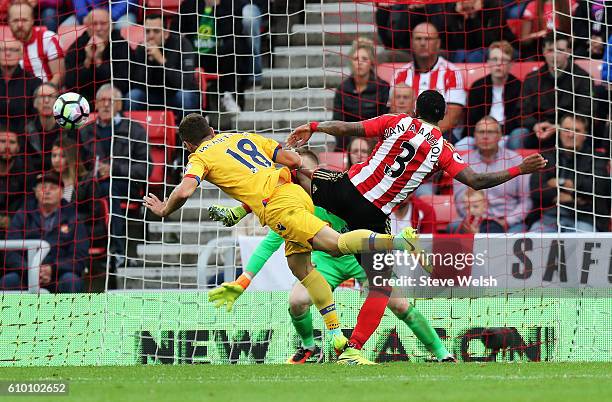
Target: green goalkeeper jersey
335,270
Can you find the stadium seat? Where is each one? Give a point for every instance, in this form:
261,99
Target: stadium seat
444,206
166,5
161,134
69,34
521,69
333,160
133,34
593,67
203,78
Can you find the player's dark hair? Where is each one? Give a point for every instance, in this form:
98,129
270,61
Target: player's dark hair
194,128
308,153
430,106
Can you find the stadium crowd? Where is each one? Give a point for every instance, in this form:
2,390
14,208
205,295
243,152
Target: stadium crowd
55,183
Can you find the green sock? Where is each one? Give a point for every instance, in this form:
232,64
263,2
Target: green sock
303,326
424,332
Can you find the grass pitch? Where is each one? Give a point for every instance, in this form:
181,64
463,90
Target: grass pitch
419,382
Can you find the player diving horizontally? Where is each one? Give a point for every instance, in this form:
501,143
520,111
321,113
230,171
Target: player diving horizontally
335,270
243,166
409,150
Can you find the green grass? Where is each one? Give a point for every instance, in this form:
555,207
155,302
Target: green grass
417,382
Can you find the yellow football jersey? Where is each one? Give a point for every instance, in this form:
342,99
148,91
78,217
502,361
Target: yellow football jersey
240,164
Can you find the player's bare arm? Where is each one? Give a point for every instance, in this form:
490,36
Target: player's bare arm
302,134
479,181
177,198
289,158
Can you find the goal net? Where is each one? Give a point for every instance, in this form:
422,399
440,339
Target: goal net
519,77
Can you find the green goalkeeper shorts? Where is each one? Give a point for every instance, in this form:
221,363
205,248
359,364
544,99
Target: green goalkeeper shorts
336,270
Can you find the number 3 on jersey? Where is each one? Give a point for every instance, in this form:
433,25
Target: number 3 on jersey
408,152
249,149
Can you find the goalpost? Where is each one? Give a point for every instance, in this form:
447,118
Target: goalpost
268,71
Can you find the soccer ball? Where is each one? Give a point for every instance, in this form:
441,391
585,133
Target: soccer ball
71,110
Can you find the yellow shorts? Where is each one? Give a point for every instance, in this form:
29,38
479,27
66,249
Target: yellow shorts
290,213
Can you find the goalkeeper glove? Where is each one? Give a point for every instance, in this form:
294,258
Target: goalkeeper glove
226,215
228,293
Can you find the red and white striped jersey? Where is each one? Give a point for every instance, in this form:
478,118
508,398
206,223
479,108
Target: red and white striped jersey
42,48
444,77
408,151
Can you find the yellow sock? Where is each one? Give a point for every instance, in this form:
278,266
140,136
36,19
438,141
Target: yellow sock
360,241
322,297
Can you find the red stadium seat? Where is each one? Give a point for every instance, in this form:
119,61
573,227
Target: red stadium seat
69,34
520,70
593,67
333,160
204,77
133,34
444,207
166,5
161,134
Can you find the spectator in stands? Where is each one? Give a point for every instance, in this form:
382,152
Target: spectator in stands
129,154
163,71
515,8
590,28
42,130
43,55
576,186
401,99
16,87
252,22
359,149
416,213
80,188
428,64
538,107
469,28
508,203
532,14
88,59
214,28
121,13
395,23
538,21
55,222
14,179
475,206
497,95
362,95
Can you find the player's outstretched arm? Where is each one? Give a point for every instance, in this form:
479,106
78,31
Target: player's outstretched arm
479,181
289,158
302,134
177,198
